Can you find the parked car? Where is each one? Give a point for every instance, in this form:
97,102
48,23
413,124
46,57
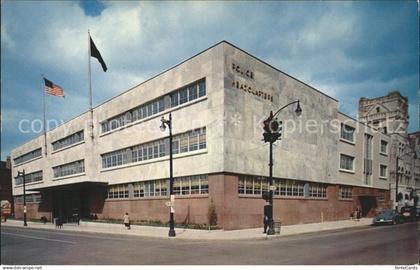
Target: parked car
408,213
387,216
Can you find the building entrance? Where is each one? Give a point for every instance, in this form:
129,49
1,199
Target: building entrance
368,204
70,205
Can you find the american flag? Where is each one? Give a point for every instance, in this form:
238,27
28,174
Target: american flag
53,89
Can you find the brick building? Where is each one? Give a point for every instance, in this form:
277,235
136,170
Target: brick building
218,100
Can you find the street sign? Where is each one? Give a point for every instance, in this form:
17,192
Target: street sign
169,204
273,188
172,198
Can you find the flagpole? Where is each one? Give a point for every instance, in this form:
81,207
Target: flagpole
90,88
44,113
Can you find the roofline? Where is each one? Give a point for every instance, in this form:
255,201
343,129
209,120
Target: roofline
262,61
172,67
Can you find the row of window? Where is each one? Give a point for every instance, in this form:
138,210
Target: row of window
252,185
28,156
30,198
69,140
186,142
189,185
69,168
347,133
347,163
29,178
176,98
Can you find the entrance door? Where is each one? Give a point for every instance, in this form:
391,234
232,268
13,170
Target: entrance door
368,203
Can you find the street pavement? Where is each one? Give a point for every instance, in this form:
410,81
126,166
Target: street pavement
162,232
362,245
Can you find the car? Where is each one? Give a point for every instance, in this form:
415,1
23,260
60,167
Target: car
408,213
387,216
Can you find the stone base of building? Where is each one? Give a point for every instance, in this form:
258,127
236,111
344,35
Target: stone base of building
234,210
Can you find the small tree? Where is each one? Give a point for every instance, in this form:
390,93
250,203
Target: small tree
211,214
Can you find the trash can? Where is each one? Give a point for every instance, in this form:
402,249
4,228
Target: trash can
277,227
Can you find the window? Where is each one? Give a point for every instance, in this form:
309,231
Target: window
346,162
347,132
202,88
186,142
384,147
30,198
345,192
191,185
177,97
29,178
317,190
255,185
28,156
69,168
383,171
118,191
192,92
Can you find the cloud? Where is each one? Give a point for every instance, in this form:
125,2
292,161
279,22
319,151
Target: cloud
344,49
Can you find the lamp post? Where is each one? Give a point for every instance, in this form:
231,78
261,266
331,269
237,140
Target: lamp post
22,173
397,177
168,123
272,133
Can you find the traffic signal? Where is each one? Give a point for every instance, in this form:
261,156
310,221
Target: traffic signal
272,129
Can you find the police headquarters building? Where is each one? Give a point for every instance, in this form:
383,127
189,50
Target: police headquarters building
218,100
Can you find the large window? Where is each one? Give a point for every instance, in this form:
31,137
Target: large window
176,98
383,171
190,185
69,168
317,190
384,147
30,198
345,192
28,156
347,132
118,191
253,185
69,140
186,142
29,178
346,162
150,188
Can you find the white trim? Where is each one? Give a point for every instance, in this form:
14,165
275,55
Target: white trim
347,141
67,147
69,176
29,184
150,117
20,164
143,162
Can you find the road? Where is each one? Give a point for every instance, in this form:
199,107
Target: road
365,245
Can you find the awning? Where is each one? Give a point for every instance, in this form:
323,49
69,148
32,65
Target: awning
67,186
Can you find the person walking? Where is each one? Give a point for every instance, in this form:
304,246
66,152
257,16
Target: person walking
127,221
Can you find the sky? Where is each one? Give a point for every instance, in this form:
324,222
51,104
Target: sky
345,49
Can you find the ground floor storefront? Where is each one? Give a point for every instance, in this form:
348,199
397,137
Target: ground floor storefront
237,200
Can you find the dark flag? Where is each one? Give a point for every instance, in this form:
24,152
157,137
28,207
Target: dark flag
95,53
53,89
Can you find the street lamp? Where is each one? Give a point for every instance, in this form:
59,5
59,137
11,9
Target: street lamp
168,123
272,133
22,173
397,178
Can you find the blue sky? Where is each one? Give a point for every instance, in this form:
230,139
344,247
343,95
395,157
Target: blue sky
345,49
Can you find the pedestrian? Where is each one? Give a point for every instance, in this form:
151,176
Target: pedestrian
127,221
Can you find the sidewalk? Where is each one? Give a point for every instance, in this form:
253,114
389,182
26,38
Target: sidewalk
162,232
